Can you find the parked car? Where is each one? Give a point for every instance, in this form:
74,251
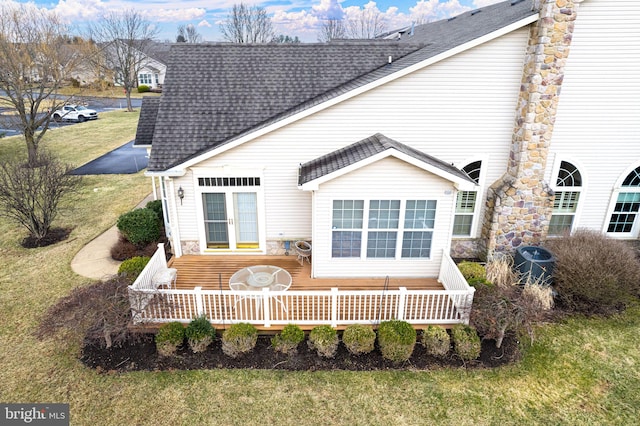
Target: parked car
74,113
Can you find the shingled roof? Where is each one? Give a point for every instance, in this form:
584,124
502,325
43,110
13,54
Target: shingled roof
367,148
147,121
216,93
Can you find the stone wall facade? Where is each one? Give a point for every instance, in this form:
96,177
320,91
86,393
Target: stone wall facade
520,203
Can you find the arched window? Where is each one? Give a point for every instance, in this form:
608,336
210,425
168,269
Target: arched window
568,187
624,218
466,203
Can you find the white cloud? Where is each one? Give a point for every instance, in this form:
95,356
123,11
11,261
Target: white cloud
432,10
172,15
204,23
482,3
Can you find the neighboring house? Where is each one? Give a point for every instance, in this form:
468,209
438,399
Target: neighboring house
153,67
474,135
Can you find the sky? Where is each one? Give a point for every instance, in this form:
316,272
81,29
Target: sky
301,18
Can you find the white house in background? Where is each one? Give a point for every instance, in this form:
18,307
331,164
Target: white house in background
478,134
154,66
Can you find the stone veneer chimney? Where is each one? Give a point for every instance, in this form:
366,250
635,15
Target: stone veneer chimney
520,203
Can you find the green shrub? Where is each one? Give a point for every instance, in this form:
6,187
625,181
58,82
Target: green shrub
594,274
200,333
396,340
156,206
143,88
436,341
288,340
359,339
169,337
324,340
474,272
131,268
466,342
239,339
139,226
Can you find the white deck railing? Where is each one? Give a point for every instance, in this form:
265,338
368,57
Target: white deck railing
333,307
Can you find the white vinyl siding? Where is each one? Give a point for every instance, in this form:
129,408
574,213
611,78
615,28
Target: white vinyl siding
597,123
385,180
473,93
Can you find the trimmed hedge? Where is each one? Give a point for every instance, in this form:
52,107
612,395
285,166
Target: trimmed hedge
139,226
288,340
131,268
359,339
436,341
466,342
396,340
200,333
324,340
169,337
239,339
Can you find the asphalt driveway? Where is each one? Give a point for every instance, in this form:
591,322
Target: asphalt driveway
123,160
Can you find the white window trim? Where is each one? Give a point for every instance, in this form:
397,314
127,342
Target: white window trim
229,172
635,231
581,189
480,200
400,230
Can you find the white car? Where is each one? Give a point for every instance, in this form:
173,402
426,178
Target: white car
74,113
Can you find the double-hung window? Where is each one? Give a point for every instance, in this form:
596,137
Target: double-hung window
382,228
567,197
466,203
144,79
624,218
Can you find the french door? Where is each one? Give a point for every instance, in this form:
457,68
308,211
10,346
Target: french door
231,220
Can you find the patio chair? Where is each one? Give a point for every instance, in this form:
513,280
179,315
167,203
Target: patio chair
165,277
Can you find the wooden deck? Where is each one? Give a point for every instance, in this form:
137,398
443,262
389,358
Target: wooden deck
214,272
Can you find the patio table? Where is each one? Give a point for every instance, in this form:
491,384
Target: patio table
256,278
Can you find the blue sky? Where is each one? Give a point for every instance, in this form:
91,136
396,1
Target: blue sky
300,18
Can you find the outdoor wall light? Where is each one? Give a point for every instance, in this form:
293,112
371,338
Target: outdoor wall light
180,194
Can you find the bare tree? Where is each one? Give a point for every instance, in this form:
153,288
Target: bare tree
188,34
368,23
30,193
34,61
332,29
125,39
247,24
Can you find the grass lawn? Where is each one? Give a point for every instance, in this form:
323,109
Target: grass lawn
581,371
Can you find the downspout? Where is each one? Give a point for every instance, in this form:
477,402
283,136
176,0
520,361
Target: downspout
175,228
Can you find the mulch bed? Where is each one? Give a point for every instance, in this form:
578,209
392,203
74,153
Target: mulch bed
142,356
55,235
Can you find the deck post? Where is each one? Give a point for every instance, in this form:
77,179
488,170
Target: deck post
265,307
402,299
197,294
334,307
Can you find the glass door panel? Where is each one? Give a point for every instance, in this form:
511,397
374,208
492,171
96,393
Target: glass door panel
215,220
245,205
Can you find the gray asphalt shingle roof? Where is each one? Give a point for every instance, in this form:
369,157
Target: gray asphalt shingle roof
216,93
364,149
147,121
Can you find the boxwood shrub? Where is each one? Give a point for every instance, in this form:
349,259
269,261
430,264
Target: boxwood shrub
139,226
436,341
169,337
239,339
324,340
131,268
396,340
359,339
466,342
156,206
288,340
200,333
143,88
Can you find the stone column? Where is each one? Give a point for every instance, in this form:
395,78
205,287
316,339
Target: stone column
520,203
